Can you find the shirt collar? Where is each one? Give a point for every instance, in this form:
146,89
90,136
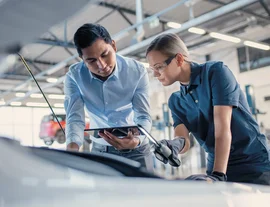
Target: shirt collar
195,78
116,70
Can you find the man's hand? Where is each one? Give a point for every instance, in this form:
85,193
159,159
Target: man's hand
128,142
72,147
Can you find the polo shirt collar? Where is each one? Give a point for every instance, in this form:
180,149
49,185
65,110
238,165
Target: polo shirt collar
195,78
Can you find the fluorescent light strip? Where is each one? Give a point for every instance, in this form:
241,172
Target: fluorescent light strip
197,30
19,94
257,45
56,96
174,25
36,95
36,104
51,80
225,37
59,105
16,103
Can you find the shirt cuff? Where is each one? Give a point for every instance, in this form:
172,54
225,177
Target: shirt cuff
141,138
74,139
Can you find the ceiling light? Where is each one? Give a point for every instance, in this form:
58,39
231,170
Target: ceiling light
36,104
59,105
19,94
257,45
51,80
2,103
225,37
197,30
36,95
56,96
16,103
174,25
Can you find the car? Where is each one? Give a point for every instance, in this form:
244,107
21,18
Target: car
40,176
51,131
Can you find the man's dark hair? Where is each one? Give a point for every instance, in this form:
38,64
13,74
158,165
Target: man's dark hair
87,34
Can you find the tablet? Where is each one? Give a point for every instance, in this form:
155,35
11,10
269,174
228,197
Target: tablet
119,132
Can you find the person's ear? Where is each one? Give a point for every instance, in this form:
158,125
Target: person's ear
114,46
179,59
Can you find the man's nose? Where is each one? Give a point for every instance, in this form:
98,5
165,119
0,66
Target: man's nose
101,63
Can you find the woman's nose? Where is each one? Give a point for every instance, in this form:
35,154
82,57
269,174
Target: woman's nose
156,74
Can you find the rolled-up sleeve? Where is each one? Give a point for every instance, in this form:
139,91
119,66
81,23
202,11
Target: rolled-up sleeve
141,104
75,115
225,89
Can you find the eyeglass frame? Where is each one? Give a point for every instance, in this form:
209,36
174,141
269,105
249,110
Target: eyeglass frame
167,62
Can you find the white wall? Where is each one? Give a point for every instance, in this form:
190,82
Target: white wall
23,123
260,79
230,58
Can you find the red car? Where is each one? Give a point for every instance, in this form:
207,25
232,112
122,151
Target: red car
50,130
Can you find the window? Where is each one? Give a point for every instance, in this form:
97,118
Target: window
252,58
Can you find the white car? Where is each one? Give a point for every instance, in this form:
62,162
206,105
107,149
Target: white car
46,177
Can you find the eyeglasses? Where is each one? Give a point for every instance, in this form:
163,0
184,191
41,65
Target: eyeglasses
159,67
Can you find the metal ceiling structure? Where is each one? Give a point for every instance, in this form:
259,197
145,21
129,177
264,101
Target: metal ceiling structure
133,24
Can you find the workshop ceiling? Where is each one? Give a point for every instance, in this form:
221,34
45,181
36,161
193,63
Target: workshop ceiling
250,21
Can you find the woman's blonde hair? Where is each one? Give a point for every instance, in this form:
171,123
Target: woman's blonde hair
169,44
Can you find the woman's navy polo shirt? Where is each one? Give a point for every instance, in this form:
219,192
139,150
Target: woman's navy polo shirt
213,83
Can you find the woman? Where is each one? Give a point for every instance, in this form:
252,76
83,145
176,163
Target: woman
210,105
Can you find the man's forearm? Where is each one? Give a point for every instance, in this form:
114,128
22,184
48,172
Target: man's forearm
222,152
73,146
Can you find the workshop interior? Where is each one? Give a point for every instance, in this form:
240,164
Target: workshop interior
37,51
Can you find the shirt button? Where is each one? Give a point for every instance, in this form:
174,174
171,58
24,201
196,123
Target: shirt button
106,102
191,92
196,101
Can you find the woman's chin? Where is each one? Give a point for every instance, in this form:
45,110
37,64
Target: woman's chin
165,83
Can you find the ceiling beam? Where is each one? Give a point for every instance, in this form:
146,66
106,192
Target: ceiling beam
55,43
191,23
243,11
264,5
126,10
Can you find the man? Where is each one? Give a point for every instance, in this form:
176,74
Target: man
211,105
114,91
